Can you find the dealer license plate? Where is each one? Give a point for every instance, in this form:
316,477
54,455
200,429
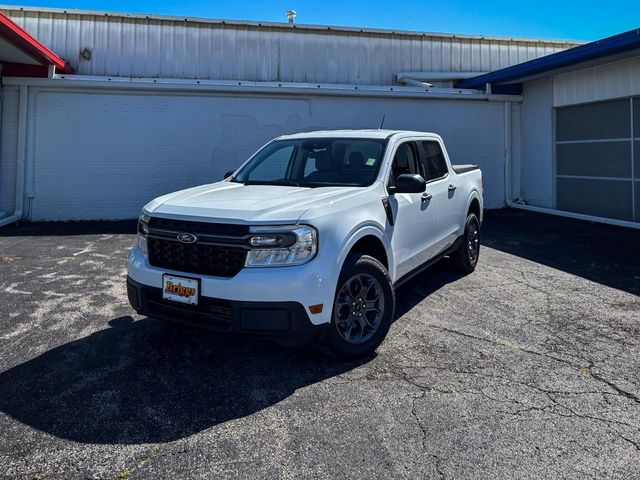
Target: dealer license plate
180,289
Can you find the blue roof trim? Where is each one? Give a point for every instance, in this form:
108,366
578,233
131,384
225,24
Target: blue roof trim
601,48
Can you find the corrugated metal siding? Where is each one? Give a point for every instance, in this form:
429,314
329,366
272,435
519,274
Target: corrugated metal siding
602,82
146,46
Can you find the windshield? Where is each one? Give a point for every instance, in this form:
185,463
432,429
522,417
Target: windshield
315,162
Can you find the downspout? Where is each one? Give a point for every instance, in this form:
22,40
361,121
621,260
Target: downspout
20,159
508,180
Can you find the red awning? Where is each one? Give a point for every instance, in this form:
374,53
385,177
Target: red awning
22,55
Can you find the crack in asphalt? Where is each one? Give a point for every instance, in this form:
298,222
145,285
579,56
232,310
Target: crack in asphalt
152,455
506,345
550,394
614,386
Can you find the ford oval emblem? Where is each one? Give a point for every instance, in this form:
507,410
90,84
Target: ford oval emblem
187,238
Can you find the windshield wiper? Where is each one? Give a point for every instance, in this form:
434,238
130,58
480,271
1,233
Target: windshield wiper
288,183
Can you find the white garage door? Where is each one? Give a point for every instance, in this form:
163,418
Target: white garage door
104,155
598,159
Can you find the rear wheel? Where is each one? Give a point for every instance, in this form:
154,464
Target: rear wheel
362,310
465,258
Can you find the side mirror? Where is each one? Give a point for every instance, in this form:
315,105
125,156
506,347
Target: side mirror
228,174
410,183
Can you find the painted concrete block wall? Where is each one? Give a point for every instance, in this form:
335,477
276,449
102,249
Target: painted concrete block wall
9,98
110,153
536,171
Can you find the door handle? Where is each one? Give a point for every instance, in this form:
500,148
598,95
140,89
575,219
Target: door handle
426,196
452,188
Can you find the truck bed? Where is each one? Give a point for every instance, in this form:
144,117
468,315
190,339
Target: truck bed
464,168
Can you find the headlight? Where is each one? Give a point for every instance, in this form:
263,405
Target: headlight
143,224
281,246
143,231
142,245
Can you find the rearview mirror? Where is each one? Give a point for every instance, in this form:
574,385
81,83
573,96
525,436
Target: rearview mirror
228,174
410,183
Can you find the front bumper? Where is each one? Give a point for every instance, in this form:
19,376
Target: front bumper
285,322
268,297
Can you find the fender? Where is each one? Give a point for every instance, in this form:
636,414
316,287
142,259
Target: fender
473,195
362,231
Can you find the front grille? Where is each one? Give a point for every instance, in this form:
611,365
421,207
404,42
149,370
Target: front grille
220,251
198,227
216,260
210,312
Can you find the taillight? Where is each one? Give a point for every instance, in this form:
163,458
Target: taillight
482,177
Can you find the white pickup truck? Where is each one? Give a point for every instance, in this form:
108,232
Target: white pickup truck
308,239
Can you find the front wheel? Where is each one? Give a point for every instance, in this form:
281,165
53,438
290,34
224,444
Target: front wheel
465,258
362,310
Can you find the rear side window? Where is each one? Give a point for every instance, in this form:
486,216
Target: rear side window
434,163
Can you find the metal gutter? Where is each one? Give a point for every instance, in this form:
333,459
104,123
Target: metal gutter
244,87
423,79
437,76
602,48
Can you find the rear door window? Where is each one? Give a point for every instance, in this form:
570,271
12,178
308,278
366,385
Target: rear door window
434,164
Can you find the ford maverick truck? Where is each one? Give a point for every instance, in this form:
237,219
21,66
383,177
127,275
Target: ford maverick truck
307,241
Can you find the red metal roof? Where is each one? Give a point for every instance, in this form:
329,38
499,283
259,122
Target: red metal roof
23,41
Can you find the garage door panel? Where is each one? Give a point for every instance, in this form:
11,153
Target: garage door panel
603,120
602,198
601,159
636,160
637,195
636,117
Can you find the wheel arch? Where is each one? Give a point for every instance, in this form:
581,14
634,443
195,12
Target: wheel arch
474,205
369,241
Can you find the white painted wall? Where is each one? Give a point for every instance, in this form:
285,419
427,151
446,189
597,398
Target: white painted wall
536,163
9,99
97,154
602,82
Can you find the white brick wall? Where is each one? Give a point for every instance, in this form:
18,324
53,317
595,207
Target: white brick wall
104,155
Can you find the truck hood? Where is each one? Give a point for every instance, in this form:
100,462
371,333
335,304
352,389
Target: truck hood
228,201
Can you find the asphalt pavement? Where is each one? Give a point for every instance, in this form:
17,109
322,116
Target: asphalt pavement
527,368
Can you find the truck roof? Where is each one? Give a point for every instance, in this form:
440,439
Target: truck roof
364,133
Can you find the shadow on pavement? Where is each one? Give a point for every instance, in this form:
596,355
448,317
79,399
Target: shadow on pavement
604,254
88,227
148,382
421,286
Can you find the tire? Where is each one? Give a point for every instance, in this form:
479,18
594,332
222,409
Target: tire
465,258
359,324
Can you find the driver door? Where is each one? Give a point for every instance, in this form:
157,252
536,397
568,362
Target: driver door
413,213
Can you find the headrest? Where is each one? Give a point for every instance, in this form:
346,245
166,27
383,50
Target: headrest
356,160
402,157
323,159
